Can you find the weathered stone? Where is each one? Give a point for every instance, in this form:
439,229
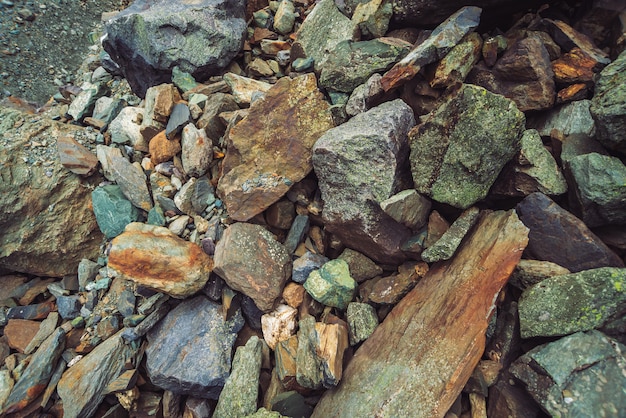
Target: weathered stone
179,118
331,284
68,306
154,257
243,88
37,374
304,265
362,321
149,39
46,328
162,149
279,325
6,385
436,46
533,169
75,157
508,398
45,210
321,31
492,47
241,389
332,341
281,214
252,262
293,294
83,104
569,38
264,413
457,64
350,64
132,181
189,351
599,189
126,128
558,236
360,164
210,120
458,152
267,153
309,370
574,67
562,305
365,96
572,118
607,106
81,387
391,289
391,373
523,74
408,208
113,211
286,365
299,228
159,103
579,375
107,109
373,17
361,267
291,404
20,332
531,272
285,17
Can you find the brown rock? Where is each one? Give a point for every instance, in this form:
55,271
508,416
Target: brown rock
332,343
437,226
162,149
286,366
572,93
293,293
160,101
389,290
569,38
421,356
251,261
558,236
507,399
574,67
20,332
154,257
267,152
75,157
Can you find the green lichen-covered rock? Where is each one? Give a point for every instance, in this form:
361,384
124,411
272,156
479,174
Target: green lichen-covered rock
599,184
582,301
362,321
458,152
113,211
239,396
608,106
332,284
350,64
264,413
446,246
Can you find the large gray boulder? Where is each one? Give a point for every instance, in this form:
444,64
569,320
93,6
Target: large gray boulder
46,218
360,164
151,37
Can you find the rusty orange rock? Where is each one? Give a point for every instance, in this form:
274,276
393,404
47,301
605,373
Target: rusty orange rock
162,149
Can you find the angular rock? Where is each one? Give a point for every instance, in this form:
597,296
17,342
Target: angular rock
244,89
530,272
20,332
572,118
267,153
523,74
574,67
241,389
75,157
458,63
361,267
438,44
533,169
46,328
360,164
132,181
607,106
81,387
126,128
365,96
582,301
309,369
599,189
391,289
281,214
189,351
149,38
106,109
285,17
373,17
37,374
569,38
154,257
6,385
162,149
159,104
83,104
252,262
291,404
408,208
332,341
113,211
45,210
391,373
579,375
350,64
179,118
210,120
35,311
305,264
279,325
197,151
331,285
362,321
558,236
321,31
68,306
458,152
575,145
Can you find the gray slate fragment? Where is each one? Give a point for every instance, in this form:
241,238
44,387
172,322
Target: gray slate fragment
309,371
305,264
68,306
299,228
409,208
241,390
134,333
458,152
581,375
189,351
446,246
132,180
582,301
179,118
84,103
46,328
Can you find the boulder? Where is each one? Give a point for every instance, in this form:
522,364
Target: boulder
360,164
458,152
151,37
46,218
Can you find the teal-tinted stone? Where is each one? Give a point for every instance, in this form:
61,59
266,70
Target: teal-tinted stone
332,284
113,211
302,64
156,216
183,80
362,321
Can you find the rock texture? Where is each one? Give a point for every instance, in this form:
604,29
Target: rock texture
360,164
149,38
267,151
390,374
52,202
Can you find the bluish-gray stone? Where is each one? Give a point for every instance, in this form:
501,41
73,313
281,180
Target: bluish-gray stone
113,211
189,351
68,306
304,265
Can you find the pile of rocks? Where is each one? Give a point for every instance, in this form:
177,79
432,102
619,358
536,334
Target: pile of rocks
291,210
